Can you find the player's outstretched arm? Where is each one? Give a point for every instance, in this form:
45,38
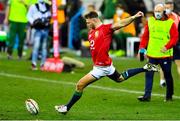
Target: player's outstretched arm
127,21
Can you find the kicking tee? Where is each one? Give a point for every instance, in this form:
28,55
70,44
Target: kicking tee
100,41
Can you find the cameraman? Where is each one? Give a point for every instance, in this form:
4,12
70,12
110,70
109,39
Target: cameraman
39,16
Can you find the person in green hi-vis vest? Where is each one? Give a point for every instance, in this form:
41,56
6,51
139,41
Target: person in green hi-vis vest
160,35
16,19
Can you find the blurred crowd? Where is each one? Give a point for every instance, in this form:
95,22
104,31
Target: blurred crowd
72,26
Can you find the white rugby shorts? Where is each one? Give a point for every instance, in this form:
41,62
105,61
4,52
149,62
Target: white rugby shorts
101,71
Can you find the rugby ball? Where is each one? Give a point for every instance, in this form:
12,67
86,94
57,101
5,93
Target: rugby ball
32,106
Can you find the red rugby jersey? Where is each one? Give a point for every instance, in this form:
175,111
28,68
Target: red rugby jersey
100,40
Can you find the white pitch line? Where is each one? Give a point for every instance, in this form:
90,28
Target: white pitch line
73,84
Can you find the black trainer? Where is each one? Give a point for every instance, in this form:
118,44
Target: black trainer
169,99
144,99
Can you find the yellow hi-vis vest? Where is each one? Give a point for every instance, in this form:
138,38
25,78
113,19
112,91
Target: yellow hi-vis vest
18,11
159,35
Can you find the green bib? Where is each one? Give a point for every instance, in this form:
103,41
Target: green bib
18,11
159,35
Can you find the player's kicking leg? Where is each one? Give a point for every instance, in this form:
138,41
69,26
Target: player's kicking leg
83,82
132,72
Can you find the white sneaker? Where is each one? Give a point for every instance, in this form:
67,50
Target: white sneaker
151,67
61,109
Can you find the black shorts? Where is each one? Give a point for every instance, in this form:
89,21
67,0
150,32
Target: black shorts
176,52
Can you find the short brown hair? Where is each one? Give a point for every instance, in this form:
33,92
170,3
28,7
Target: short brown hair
91,14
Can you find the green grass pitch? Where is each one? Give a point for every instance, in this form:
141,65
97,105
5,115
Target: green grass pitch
104,99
